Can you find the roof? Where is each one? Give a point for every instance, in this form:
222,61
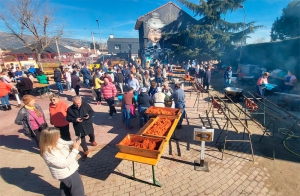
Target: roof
123,40
50,49
139,22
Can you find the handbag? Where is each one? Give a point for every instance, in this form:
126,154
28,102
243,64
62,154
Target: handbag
41,126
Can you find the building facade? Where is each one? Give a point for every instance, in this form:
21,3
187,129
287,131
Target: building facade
166,19
127,48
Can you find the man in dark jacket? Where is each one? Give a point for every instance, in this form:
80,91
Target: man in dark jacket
57,79
25,86
120,79
206,80
86,75
80,114
144,101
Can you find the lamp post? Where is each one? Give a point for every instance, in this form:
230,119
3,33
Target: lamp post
100,42
242,40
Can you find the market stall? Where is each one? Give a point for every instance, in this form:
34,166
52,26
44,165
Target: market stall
149,143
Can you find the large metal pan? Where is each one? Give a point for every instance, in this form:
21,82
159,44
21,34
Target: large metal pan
233,91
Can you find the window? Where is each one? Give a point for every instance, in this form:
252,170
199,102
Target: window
117,46
129,46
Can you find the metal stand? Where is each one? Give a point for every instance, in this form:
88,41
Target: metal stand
155,182
201,165
273,123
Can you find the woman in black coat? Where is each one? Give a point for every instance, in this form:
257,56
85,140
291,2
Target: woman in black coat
75,82
25,86
80,114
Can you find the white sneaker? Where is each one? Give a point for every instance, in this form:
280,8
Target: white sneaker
110,117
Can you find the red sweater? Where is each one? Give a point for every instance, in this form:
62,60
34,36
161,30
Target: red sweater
4,88
58,114
108,90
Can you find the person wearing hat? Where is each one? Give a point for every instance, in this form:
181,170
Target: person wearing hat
159,98
178,96
144,102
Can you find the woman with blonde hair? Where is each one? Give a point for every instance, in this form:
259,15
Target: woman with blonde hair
60,157
32,118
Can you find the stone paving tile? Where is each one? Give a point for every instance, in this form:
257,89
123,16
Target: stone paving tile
103,174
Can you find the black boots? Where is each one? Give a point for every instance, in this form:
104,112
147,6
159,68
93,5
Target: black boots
5,108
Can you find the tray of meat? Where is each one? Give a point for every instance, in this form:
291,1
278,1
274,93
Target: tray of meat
141,145
160,127
155,111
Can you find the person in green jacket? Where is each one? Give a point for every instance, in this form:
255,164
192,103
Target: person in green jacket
42,78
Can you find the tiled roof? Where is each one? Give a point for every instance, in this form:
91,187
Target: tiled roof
50,49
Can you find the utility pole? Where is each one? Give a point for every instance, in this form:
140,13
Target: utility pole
100,42
93,42
57,48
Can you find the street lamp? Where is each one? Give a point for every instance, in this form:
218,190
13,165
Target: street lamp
242,40
100,42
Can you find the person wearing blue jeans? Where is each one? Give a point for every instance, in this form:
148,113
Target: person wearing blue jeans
227,77
178,96
5,102
57,80
127,102
86,75
144,102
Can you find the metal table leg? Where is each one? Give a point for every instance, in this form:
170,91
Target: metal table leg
156,183
133,176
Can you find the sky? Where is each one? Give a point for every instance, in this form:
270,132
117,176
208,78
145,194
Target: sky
118,17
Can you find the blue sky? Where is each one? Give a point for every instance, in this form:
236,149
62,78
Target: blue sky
118,17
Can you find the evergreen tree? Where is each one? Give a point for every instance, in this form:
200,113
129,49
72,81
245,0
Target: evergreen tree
212,34
288,26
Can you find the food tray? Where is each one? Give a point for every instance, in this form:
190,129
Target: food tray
164,111
159,130
125,148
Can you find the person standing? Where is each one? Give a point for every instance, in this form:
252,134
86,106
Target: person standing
97,88
58,113
25,86
128,103
7,80
179,98
75,82
57,80
80,114
120,79
67,76
144,102
261,84
227,76
159,98
158,76
60,157
147,80
289,82
86,75
206,79
109,91
134,84
153,89
5,88
32,117
201,73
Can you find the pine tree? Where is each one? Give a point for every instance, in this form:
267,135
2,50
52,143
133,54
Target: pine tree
212,34
288,26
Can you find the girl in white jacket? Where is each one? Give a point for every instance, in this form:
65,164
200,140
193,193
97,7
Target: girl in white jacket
60,157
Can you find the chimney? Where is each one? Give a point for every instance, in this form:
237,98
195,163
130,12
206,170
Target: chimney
111,36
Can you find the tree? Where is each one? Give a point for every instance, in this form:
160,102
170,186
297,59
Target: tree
211,35
32,17
288,26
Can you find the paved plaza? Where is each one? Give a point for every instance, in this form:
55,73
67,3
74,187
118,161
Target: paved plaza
23,171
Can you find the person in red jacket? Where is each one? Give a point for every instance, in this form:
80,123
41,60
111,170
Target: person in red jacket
58,113
109,91
4,90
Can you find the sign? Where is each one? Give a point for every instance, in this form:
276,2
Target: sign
203,134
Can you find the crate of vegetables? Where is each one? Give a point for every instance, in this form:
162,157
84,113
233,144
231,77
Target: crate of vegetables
141,145
155,111
160,126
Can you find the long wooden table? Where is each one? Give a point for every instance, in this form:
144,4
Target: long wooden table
145,160
41,88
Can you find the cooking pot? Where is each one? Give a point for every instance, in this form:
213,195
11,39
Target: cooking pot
232,91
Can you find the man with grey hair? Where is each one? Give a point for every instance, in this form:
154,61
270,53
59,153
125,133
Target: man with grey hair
80,114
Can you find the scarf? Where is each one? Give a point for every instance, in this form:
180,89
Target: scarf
38,113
